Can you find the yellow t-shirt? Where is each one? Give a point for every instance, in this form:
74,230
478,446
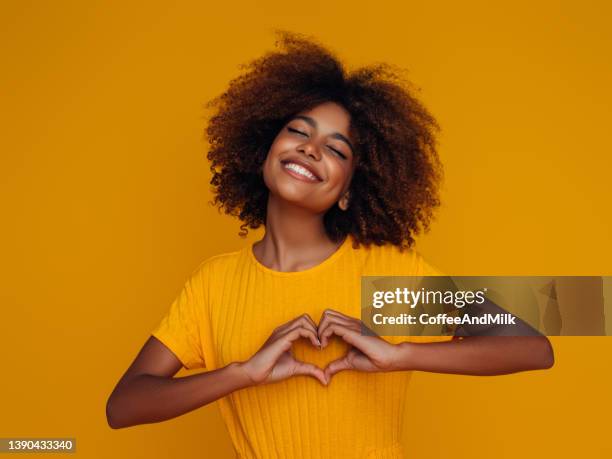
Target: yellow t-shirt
230,305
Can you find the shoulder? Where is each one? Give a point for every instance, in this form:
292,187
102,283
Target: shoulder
216,264
210,271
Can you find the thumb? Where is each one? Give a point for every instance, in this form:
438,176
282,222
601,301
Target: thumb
336,366
308,369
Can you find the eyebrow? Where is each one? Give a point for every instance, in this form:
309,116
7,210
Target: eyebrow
335,135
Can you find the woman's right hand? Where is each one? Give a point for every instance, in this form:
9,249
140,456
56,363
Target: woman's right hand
274,362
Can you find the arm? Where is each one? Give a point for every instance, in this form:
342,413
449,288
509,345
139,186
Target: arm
476,355
481,349
148,393
472,355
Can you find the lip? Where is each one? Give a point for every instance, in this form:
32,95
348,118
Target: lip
305,165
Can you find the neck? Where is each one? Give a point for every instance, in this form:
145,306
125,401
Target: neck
295,238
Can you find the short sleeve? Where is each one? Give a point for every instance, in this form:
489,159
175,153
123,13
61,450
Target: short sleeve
180,328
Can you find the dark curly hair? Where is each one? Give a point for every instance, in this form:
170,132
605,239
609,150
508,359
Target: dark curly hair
395,186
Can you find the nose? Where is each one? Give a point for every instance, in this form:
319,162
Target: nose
311,150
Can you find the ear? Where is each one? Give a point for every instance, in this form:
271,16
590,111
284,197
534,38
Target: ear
343,203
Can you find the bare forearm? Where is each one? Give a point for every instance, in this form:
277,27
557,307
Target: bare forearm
477,355
148,398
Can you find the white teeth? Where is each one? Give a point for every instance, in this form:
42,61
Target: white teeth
300,170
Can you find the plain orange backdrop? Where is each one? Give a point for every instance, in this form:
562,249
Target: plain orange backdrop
104,192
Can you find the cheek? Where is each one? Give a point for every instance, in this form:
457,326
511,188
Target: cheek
273,152
271,166
282,143
338,173
267,170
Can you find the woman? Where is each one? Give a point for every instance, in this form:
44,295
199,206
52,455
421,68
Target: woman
342,170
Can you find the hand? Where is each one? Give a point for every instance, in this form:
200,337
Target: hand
274,361
367,353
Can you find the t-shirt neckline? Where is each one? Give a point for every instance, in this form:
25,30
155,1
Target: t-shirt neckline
328,261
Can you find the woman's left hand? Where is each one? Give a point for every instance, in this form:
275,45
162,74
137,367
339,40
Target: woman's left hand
367,353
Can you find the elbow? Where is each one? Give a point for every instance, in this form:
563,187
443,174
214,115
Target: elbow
546,355
112,417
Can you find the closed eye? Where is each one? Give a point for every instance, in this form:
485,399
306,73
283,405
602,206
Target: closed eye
339,153
297,132
342,155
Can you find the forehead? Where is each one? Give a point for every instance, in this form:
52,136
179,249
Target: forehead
329,117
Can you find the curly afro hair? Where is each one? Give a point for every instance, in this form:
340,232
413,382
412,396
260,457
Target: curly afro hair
395,185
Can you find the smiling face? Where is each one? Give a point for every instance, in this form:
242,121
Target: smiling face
311,161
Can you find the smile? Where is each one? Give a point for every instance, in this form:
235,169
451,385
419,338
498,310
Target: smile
300,172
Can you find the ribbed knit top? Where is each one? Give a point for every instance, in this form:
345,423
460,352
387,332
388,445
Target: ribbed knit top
230,305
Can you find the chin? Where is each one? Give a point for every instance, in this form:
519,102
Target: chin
296,198
295,193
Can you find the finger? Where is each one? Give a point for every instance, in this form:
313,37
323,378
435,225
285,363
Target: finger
339,314
331,320
336,366
301,319
347,334
333,317
327,312
309,319
304,332
283,343
304,324
309,369
323,326
330,314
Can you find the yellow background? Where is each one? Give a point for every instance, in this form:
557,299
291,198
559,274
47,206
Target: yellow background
104,191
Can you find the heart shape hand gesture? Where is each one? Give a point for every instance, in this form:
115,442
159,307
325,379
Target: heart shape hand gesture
275,362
